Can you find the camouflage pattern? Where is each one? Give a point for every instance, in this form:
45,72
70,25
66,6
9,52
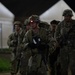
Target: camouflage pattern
67,12
51,35
17,23
26,27
52,41
13,48
34,18
67,52
26,22
14,41
44,25
53,50
29,54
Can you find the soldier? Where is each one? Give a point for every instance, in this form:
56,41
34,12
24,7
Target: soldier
53,26
26,27
65,35
53,50
35,46
14,40
44,25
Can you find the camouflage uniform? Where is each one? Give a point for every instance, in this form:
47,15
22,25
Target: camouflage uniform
44,25
14,41
53,50
31,53
26,27
67,52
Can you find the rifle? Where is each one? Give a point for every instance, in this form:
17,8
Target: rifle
41,47
18,59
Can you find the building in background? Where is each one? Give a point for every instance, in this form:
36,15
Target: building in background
6,25
55,12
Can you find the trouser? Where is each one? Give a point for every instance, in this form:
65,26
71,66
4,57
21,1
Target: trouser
67,58
14,64
52,60
24,62
58,67
15,67
38,66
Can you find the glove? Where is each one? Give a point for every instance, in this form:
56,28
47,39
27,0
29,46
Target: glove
42,47
32,45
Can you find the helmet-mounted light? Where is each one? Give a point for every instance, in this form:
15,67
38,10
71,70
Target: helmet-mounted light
31,21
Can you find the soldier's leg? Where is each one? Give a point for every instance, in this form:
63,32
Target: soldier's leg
52,64
42,67
14,63
64,62
64,67
38,67
72,62
34,64
14,67
24,62
58,67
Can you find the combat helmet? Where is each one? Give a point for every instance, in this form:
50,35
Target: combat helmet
67,12
34,18
18,23
54,22
26,22
44,24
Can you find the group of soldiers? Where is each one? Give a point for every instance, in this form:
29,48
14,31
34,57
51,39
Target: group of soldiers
39,48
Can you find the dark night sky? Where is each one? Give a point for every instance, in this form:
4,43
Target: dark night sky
25,8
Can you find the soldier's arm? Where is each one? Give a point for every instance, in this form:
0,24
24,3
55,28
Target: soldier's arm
25,41
58,29
44,35
10,40
58,34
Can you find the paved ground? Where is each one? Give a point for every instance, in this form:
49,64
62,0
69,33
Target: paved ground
8,57
19,74
6,74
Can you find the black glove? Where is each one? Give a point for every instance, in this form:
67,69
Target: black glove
32,45
42,47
